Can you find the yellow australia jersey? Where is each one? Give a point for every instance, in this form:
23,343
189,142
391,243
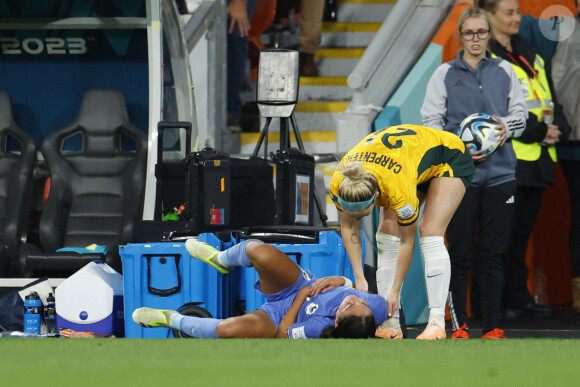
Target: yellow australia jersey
402,157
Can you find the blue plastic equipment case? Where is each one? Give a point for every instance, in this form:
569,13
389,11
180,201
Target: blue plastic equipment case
163,275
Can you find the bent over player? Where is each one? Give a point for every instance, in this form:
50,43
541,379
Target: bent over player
298,306
398,168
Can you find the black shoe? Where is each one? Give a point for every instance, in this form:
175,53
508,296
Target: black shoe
233,124
538,310
508,314
307,66
531,308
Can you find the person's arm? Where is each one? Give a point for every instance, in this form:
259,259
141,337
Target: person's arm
434,108
404,259
350,231
327,283
566,78
292,313
515,121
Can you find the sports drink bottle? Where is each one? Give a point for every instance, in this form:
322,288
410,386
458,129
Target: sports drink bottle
50,314
32,306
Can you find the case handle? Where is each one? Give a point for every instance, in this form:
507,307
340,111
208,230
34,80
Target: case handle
164,292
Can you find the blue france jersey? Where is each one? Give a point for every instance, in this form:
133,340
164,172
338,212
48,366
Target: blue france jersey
317,313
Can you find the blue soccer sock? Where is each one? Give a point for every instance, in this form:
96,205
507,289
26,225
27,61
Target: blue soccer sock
201,328
235,256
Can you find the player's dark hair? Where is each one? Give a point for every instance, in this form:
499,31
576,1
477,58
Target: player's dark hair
352,327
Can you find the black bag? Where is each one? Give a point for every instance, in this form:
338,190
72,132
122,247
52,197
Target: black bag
12,308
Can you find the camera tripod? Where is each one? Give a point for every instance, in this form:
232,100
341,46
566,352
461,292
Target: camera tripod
285,148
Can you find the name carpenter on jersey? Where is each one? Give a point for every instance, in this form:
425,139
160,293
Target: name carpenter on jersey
371,157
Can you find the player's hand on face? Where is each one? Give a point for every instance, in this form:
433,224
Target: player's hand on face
502,131
393,302
477,156
326,283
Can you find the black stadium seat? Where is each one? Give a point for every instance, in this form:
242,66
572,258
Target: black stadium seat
97,171
17,157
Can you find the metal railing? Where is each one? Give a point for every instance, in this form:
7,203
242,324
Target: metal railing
209,19
402,38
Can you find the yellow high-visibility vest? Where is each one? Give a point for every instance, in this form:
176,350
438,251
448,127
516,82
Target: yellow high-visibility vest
539,101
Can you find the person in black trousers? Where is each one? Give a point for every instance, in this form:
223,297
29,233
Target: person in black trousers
477,83
535,151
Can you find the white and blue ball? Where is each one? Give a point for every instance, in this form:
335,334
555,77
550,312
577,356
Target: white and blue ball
479,131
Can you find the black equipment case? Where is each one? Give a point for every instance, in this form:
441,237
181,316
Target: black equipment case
229,193
208,190
220,193
294,187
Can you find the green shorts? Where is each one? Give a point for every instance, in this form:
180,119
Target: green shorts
463,168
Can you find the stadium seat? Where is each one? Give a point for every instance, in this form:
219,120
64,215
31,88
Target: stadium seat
97,170
17,157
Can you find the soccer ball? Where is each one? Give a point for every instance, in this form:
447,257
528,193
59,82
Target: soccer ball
478,130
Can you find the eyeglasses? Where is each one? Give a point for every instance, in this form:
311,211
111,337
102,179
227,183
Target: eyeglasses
481,34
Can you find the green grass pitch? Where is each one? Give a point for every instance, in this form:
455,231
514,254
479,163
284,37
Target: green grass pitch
265,362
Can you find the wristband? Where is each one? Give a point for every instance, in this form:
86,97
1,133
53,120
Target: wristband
347,282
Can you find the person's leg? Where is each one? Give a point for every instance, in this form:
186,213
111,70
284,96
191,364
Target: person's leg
460,240
443,198
571,169
237,53
256,324
237,57
276,271
528,201
495,219
388,243
310,25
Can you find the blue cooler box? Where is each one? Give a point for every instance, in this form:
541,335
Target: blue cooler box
326,258
163,275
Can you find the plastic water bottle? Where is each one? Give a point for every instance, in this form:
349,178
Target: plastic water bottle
32,307
50,314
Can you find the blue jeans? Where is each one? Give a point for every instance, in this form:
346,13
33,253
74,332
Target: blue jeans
237,60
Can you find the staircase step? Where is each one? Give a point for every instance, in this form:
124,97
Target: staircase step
364,10
338,61
348,34
340,53
324,89
339,67
320,122
321,107
315,141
